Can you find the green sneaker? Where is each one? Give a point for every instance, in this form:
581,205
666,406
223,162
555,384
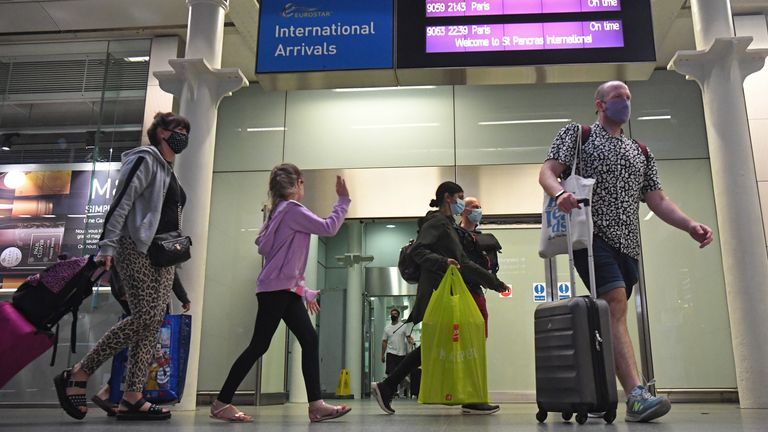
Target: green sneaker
642,406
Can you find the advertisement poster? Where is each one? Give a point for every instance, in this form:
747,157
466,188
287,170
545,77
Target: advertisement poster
44,214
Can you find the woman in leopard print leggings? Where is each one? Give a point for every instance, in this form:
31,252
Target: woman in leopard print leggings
149,202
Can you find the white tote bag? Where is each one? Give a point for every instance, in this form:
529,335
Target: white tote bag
553,225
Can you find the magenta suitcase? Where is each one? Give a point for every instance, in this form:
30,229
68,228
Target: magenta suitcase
20,342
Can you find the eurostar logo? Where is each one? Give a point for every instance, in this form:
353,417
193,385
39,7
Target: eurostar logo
292,10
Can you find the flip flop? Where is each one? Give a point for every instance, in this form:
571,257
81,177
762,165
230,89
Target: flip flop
106,405
239,417
339,411
71,404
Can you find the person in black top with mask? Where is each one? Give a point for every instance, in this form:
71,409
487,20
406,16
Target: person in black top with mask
149,201
482,249
395,342
437,247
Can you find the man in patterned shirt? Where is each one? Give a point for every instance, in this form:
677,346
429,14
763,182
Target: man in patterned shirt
625,174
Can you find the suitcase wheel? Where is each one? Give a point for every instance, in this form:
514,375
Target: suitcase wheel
610,416
567,416
541,416
581,418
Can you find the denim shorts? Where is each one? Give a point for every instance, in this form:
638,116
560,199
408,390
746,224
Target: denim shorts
613,269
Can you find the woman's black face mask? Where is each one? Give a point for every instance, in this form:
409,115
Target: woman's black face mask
177,141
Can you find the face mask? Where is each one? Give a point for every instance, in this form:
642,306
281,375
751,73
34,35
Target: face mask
475,216
618,110
177,141
457,207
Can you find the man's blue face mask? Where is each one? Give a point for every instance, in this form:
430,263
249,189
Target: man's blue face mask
475,216
618,110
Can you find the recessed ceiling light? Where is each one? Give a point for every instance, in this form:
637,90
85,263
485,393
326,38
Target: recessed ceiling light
506,122
394,126
661,117
264,129
391,226
366,89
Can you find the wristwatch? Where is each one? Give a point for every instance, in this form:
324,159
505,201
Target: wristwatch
559,194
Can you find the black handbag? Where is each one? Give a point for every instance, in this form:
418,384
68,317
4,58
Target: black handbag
171,248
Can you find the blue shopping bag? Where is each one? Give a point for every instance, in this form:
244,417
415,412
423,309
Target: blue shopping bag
168,367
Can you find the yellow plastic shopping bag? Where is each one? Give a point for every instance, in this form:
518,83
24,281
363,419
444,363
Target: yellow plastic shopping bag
453,346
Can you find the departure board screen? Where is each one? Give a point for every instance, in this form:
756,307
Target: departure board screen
440,8
521,37
467,33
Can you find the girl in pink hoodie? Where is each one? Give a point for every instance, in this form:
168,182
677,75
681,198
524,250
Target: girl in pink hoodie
282,295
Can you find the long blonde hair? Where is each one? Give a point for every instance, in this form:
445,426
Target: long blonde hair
283,182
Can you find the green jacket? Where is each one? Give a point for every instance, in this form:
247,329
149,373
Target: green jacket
437,241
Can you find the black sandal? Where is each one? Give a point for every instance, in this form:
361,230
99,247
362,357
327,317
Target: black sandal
106,405
134,412
71,404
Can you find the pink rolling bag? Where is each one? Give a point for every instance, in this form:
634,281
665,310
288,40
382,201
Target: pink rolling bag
20,342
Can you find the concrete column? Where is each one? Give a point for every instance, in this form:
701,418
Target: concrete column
755,88
205,30
720,65
353,323
297,391
200,85
711,20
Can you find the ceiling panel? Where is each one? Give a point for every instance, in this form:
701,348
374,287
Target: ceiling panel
741,7
24,17
673,28
679,37
237,53
111,14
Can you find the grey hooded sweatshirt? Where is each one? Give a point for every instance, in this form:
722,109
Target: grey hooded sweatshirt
138,203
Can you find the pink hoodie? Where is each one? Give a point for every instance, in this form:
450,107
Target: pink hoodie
284,243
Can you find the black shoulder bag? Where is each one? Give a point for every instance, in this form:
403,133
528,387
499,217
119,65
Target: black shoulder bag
171,248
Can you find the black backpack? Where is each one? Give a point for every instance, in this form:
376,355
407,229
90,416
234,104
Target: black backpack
489,245
45,298
408,267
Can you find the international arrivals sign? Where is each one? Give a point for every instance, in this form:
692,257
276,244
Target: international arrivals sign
324,35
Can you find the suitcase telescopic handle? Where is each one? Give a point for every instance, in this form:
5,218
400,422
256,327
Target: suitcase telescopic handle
590,256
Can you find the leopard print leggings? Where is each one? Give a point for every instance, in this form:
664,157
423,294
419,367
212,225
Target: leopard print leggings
149,290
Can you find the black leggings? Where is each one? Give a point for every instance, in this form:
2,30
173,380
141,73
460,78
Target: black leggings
410,363
273,307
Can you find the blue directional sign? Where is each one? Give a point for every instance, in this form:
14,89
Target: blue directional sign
564,291
539,292
324,35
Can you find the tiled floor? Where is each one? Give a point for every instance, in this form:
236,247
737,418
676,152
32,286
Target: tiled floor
410,417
